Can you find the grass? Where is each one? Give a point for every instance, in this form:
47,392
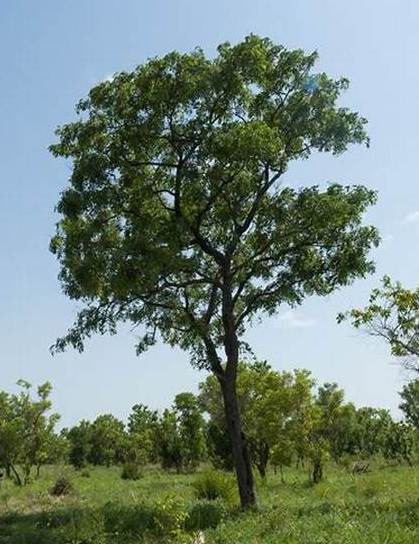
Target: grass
381,507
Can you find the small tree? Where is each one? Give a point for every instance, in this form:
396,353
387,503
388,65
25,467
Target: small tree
142,446
27,437
399,442
176,217
338,420
142,443
191,426
372,426
10,437
80,440
141,419
272,404
107,440
169,440
282,454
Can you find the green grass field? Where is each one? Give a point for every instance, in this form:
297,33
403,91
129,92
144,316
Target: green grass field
375,508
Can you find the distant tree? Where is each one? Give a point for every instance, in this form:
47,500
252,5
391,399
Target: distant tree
59,450
27,436
372,425
141,419
338,420
282,454
176,217
138,449
10,437
274,404
107,440
271,404
220,451
80,440
191,428
307,433
410,403
142,443
392,314
170,442
398,442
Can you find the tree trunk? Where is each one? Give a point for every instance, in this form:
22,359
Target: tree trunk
16,475
317,473
263,458
262,470
228,380
241,457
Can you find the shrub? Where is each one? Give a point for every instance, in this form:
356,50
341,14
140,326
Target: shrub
169,517
162,519
212,485
62,486
130,471
85,473
205,514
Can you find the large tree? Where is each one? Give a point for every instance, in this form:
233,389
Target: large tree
176,217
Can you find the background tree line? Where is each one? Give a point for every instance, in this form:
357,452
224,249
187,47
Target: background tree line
286,419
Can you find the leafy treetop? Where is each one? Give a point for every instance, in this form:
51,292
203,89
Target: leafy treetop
176,217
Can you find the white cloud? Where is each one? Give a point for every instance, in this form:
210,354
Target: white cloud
295,320
412,217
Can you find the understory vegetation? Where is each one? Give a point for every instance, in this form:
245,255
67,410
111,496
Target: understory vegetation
379,506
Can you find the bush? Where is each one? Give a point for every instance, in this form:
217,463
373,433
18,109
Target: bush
62,486
212,485
85,473
163,519
130,471
169,517
206,514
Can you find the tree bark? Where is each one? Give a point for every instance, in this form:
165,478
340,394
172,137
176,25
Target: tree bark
16,475
262,459
317,473
241,457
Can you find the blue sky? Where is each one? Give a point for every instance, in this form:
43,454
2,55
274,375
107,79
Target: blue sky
53,52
